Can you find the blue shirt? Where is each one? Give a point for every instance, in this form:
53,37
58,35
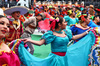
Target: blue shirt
77,30
92,24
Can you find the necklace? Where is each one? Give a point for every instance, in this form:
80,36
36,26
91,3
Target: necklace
59,31
83,26
1,44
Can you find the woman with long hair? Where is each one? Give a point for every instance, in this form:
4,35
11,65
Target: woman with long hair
82,27
7,56
70,19
59,38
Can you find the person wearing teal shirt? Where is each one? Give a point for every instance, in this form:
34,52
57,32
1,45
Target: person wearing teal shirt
70,19
59,38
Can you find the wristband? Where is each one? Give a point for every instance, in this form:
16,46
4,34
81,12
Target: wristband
86,32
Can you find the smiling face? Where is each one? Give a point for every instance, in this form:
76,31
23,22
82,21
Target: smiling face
16,15
87,20
97,19
4,27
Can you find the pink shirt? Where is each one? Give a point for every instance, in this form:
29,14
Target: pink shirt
9,59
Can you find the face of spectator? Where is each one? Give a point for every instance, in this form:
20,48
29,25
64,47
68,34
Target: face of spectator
91,11
16,15
73,9
97,19
56,15
84,12
39,17
73,13
87,7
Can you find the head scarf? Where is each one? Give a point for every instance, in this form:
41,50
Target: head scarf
70,12
82,17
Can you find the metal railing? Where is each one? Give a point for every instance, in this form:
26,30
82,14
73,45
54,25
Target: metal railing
86,3
7,4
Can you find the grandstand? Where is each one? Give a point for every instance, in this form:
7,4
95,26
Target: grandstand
86,2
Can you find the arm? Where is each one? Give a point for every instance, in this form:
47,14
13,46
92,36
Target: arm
80,35
39,43
92,24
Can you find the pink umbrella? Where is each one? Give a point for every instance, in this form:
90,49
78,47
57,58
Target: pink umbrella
44,25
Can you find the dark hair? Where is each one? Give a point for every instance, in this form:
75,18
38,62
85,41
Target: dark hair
84,17
2,16
77,8
68,13
60,21
91,11
56,23
98,23
95,17
42,15
83,11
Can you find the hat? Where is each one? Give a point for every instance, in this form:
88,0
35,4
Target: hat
50,6
23,10
37,5
91,6
41,8
68,6
69,12
43,15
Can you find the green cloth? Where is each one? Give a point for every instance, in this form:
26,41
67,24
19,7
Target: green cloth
30,11
50,6
92,17
40,51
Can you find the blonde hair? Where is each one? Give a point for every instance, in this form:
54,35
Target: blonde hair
91,11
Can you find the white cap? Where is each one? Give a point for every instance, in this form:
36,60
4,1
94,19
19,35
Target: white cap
37,5
1,12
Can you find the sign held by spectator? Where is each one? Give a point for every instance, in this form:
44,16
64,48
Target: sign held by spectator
23,3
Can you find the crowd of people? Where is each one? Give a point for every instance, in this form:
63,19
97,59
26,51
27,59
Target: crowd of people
61,25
